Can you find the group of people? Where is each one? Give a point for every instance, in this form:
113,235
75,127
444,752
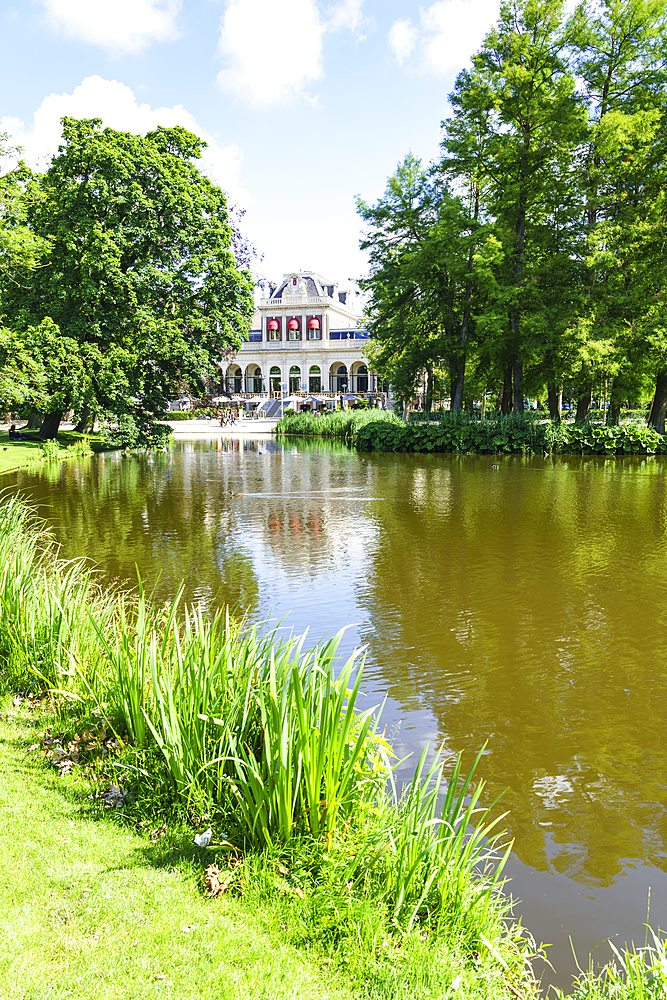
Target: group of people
228,417
15,435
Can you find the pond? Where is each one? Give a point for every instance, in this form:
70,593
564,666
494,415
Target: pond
521,607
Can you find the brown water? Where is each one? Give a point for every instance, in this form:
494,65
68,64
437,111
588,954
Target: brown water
522,607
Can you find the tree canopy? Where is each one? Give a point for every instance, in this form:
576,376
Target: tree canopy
546,211
137,286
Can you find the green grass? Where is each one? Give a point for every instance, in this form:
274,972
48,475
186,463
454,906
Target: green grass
18,454
89,909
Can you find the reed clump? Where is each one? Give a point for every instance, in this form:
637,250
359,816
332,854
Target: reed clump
264,738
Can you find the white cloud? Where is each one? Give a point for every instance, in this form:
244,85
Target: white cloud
450,32
119,26
455,29
402,39
117,106
273,48
346,14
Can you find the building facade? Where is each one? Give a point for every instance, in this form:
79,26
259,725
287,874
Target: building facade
305,339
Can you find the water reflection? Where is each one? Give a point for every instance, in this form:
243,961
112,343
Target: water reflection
523,606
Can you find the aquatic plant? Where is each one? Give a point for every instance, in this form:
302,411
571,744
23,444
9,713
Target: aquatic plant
456,433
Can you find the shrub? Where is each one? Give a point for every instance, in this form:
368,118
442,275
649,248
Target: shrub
50,451
456,433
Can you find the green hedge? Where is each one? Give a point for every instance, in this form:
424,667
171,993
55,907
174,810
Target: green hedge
189,414
459,433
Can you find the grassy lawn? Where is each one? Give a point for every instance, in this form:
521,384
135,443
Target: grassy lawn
16,454
89,909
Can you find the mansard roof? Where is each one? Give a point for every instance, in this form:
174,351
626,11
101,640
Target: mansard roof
315,285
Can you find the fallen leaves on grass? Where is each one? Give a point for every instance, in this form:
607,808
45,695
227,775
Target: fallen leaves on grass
218,880
64,753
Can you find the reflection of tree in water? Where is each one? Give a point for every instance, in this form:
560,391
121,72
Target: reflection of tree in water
171,519
525,607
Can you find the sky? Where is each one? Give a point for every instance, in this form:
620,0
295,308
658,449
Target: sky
304,105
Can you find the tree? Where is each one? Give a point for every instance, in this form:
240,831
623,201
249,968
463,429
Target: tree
515,126
423,246
619,55
141,277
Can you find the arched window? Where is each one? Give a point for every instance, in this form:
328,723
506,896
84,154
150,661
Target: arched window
360,379
234,379
338,378
294,379
274,379
314,379
253,379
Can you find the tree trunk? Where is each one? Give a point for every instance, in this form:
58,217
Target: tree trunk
506,402
656,417
555,398
457,398
84,420
428,401
34,420
583,404
614,412
517,380
50,424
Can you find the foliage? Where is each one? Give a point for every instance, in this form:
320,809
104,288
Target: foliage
341,424
633,974
454,433
50,451
529,261
189,414
134,431
140,280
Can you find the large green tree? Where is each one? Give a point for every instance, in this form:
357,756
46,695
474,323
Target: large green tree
619,55
427,252
141,278
516,123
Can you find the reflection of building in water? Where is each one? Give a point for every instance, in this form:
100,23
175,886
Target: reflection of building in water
306,338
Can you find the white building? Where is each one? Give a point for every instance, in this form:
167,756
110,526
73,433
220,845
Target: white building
306,338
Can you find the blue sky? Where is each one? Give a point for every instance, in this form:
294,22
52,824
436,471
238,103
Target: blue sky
303,104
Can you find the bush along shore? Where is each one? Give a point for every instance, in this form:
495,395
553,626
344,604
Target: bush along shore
459,433
258,750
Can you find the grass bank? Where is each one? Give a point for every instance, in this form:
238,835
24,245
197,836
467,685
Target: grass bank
18,454
90,909
182,723
459,433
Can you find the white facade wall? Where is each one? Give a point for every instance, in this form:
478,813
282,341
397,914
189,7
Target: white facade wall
326,353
